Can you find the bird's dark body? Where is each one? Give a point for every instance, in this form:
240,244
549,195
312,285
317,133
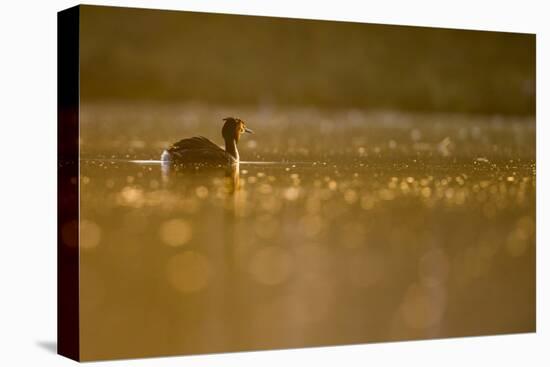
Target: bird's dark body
199,150
203,152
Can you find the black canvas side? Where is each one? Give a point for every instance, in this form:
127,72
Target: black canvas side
68,338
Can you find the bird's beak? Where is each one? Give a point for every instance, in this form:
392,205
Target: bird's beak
247,130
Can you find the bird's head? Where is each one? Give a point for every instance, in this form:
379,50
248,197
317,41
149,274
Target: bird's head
233,128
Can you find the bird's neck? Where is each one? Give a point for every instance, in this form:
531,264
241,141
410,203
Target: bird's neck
231,148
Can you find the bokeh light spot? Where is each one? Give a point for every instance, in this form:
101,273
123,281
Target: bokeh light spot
423,307
69,233
271,265
189,271
90,234
434,267
176,232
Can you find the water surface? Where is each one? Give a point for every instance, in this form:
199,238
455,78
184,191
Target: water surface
340,226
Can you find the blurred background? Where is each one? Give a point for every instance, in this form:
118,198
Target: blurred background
131,54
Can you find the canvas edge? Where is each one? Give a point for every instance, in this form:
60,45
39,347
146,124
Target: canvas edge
68,315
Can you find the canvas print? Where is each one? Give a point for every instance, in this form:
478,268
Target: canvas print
236,183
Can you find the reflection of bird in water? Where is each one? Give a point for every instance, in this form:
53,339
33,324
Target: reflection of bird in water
201,151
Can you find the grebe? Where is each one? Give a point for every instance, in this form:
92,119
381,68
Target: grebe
199,150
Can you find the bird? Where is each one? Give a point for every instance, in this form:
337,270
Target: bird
199,150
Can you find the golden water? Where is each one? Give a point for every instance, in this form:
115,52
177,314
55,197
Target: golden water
363,227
